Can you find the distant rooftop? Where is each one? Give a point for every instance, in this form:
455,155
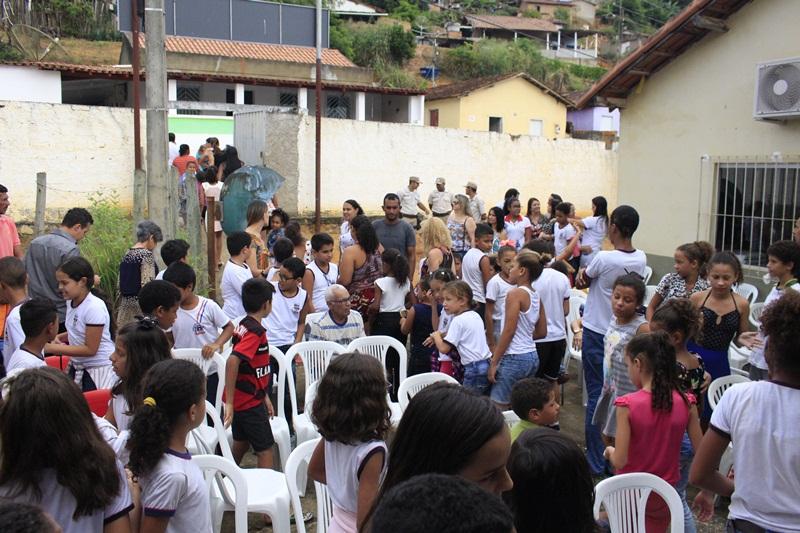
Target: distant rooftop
502,22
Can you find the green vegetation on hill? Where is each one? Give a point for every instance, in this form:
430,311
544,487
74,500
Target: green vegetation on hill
639,16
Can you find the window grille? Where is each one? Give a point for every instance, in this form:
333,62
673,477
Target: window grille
188,94
757,204
338,107
288,99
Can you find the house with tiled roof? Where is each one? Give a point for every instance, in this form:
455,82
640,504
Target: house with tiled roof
516,104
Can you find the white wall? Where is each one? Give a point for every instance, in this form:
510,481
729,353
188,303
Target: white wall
365,160
26,84
83,149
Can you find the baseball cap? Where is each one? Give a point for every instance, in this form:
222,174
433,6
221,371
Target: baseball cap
414,178
439,181
472,185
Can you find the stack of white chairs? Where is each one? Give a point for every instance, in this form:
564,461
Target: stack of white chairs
576,299
720,385
378,346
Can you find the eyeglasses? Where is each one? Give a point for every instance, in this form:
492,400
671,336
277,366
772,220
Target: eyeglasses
339,301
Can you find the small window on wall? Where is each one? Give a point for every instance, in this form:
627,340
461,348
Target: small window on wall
338,107
433,117
496,124
288,99
230,98
536,128
188,94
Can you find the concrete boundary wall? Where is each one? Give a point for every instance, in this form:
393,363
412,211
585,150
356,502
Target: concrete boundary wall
365,160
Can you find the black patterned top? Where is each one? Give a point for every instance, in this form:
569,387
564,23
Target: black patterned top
674,286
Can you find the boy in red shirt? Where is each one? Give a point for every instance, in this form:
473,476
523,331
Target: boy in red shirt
247,404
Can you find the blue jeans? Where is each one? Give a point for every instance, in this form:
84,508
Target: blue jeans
592,360
687,454
476,377
512,368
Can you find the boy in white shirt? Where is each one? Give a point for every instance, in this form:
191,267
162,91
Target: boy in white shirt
476,269
39,320
320,273
199,322
235,273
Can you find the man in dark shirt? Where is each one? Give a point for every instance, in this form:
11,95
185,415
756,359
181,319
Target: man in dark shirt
393,232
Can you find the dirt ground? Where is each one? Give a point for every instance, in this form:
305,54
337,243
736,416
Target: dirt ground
572,415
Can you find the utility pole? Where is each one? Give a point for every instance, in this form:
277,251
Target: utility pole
159,199
318,135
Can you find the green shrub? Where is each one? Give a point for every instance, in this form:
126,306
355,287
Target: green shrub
407,11
110,237
9,53
394,76
587,72
378,45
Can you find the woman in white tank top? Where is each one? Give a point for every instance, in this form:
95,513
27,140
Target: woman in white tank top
514,356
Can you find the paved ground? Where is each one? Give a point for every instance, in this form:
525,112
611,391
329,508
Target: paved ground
571,424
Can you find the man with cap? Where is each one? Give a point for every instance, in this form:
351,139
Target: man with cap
440,201
410,201
476,208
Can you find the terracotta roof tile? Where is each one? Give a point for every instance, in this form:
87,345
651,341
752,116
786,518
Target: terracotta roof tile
502,22
247,50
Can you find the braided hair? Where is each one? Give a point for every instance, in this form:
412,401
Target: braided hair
657,356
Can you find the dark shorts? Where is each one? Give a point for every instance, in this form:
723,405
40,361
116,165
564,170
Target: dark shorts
550,356
252,425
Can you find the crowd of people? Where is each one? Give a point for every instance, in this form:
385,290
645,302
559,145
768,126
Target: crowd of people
485,302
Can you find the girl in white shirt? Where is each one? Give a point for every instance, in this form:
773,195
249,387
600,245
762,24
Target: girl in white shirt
54,456
594,230
90,327
514,355
496,291
174,495
352,415
391,293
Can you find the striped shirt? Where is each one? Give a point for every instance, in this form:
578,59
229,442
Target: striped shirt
322,327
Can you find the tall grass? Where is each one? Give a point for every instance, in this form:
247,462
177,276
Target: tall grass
110,237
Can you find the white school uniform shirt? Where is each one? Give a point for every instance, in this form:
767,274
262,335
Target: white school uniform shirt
176,489
343,464
562,236
496,290
595,232
13,336
757,354
91,312
444,324
522,341
281,323
118,440
22,359
471,273
194,328
515,229
59,503
468,335
604,269
160,274
393,295
762,419
233,277
322,280
553,288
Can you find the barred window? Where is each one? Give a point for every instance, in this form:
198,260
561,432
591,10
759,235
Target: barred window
188,94
338,107
756,205
288,99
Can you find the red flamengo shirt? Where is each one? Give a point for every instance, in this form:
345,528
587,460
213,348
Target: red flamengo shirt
251,347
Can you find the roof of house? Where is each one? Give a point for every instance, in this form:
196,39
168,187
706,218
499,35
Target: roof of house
457,90
675,37
125,73
565,3
248,50
502,22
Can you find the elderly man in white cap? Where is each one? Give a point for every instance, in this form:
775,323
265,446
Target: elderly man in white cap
441,201
410,201
476,208
339,323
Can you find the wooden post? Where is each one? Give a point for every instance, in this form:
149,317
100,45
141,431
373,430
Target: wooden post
139,194
194,234
212,260
41,202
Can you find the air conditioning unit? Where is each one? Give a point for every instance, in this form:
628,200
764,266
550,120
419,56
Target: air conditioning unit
777,90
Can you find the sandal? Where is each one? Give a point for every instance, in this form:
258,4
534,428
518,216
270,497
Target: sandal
307,517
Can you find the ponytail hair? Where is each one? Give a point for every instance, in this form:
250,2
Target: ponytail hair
460,290
728,258
398,265
533,262
145,345
679,314
77,268
171,388
699,252
657,356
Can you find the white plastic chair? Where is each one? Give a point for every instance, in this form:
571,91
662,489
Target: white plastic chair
278,423
377,346
511,418
412,385
648,273
316,356
214,468
195,356
756,309
738,356
649,292
624,497
747,291
720,385
296,468
267,491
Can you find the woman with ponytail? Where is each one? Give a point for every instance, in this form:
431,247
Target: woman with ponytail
89,339
651,421
174,496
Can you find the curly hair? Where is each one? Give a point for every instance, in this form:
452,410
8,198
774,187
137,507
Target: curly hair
45,424
657,356
679,314
698,252
633,281
175,386
350,405
781,321
786,252
19,517
145,345
434,234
